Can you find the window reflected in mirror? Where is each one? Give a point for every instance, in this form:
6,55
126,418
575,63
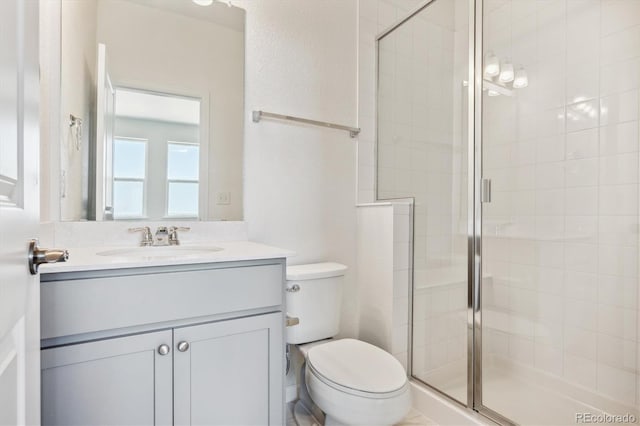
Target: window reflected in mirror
156,156
129,176
182,179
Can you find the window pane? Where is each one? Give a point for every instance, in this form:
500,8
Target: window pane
183,161
128,199
129,158
183,199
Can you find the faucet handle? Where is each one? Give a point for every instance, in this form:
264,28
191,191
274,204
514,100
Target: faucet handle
173,234
147,237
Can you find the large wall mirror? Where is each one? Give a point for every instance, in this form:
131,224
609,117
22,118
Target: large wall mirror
152,95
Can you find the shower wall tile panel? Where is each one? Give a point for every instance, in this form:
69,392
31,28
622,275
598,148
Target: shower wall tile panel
384,261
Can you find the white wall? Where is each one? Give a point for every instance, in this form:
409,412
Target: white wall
50,89
300,182
77,71
153,49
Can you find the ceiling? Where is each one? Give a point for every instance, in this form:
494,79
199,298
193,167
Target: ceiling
158,107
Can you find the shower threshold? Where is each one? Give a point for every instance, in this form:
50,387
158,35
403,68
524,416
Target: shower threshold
531,397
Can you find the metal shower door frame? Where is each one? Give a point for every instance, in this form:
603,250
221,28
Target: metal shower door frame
475,145
474,213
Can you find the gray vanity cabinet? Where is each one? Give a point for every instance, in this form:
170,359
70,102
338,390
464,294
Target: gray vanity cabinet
118,381
224,372
184,345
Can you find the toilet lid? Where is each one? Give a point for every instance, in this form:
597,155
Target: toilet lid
357,365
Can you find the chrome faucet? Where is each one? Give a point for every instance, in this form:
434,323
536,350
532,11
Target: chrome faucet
173,234
147,237
162,236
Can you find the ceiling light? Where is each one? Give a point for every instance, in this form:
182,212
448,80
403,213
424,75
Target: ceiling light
491,65
203,2
520,80
492,93
506,72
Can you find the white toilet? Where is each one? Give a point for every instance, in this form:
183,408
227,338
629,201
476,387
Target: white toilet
352,382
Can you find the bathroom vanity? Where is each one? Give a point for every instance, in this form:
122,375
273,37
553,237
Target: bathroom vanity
191,340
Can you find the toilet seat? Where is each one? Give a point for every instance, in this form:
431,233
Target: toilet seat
356,392
357,368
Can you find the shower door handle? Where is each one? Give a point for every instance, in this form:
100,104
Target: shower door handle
485,191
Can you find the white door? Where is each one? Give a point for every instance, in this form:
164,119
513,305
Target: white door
105,116
19,213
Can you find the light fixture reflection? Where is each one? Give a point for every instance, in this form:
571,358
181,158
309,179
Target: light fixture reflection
492,93
203,2
520,80
491,65
506,72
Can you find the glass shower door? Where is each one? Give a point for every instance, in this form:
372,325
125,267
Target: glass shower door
560,120
422,153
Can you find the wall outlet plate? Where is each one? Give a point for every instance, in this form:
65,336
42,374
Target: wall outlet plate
223,198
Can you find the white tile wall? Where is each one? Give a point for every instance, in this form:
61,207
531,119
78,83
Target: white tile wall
375,274
384,232
567,285
402,247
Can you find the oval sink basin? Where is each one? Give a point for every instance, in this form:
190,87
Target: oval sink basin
159,252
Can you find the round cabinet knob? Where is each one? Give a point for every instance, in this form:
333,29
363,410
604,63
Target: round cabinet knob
183,346
163,349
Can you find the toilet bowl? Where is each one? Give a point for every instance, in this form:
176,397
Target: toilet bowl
355,383
351,381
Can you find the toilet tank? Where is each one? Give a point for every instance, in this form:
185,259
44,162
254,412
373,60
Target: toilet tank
314,295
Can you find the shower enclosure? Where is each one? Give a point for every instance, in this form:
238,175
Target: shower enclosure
514,125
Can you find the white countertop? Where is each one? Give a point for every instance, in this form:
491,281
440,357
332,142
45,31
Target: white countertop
88,259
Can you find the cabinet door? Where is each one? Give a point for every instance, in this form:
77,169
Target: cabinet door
120,381
231,373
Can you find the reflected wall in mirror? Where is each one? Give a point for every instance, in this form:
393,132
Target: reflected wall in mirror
152,96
